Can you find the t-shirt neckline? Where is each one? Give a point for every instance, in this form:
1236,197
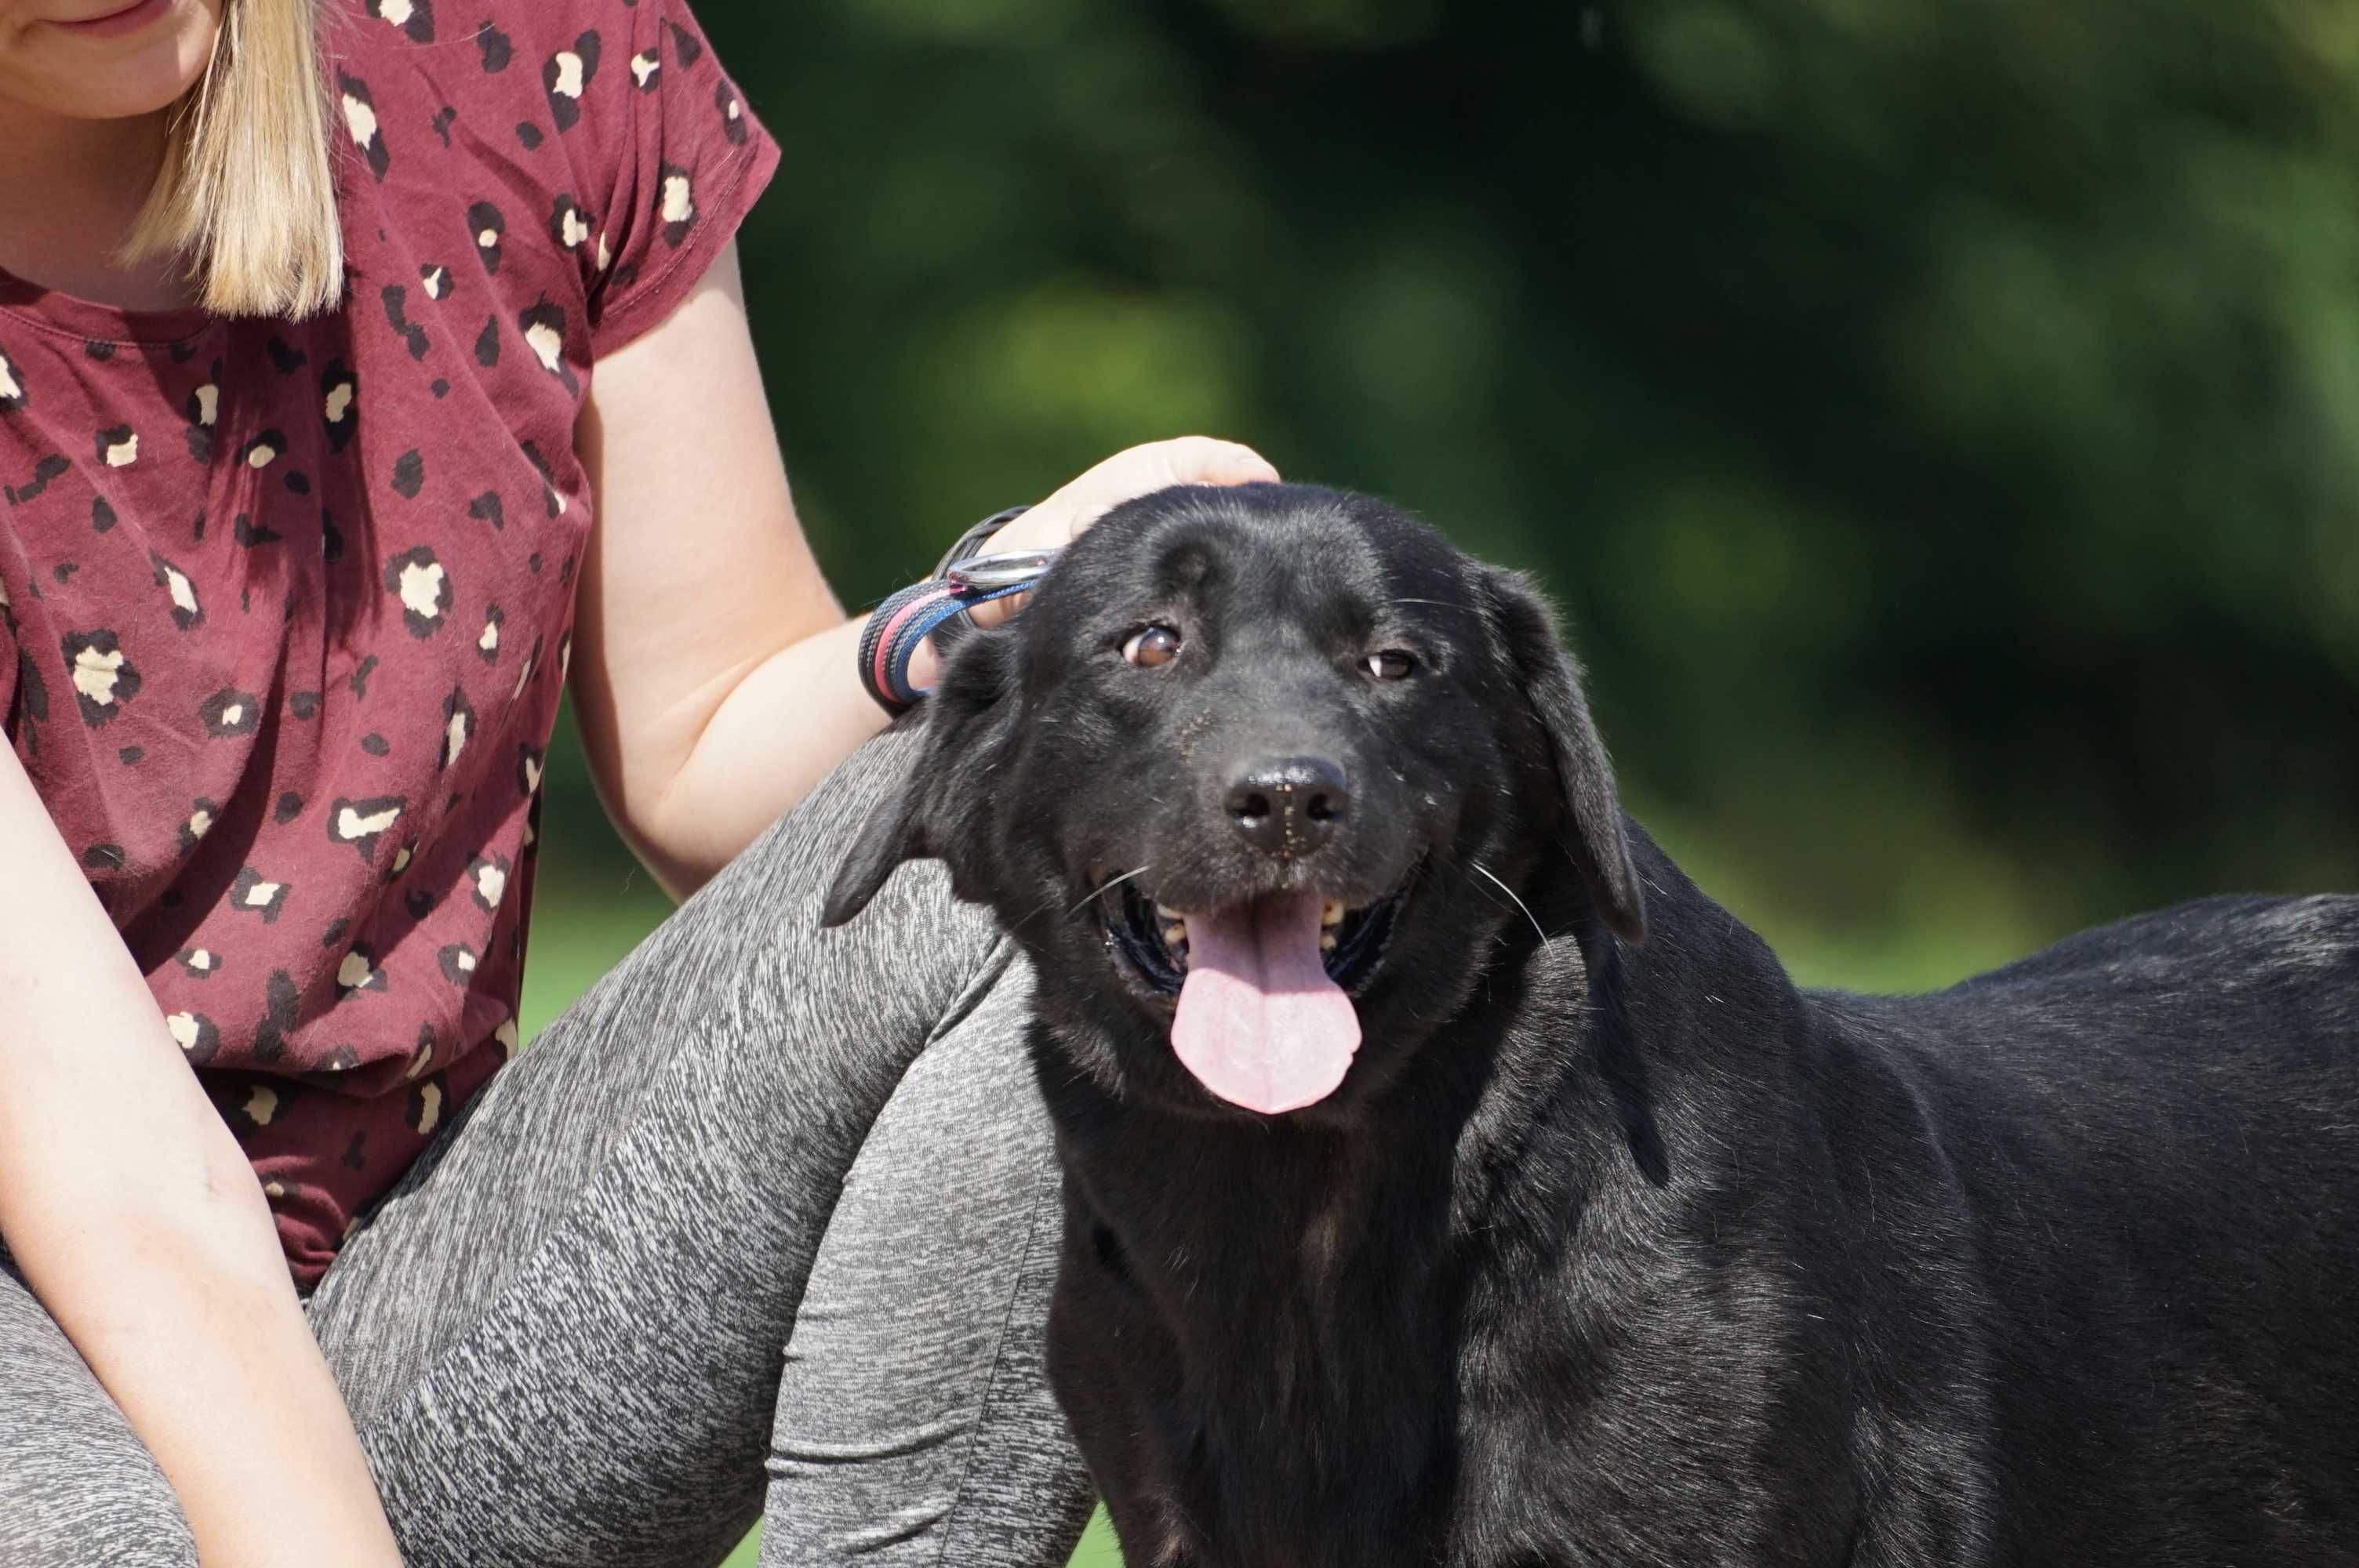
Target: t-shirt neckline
40,306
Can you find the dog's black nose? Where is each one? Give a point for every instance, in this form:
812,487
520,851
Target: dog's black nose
1288,806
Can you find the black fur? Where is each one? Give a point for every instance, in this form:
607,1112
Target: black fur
1612,1251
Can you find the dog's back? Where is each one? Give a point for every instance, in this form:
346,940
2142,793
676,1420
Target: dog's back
2153,1132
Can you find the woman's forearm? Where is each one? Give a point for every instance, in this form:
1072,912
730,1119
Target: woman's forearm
186,1314
781,729
144,1233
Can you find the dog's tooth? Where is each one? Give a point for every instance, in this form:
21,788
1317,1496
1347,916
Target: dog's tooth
1327,942
1175,934
1332,911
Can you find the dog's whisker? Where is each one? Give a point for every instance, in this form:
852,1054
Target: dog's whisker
1117,883
1028,916
1518,903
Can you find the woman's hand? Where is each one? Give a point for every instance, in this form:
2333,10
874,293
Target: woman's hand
1140,471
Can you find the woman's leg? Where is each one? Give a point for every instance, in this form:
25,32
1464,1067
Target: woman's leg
915,1423
561,1338
78,1489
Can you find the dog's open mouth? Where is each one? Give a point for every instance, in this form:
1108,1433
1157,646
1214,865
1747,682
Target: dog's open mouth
1155,940
1262,1012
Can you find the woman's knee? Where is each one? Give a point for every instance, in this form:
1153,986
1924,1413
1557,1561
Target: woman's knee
790,866
755,931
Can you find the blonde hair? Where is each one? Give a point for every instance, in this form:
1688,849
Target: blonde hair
246,196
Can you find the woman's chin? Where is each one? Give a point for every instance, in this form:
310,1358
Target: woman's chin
96,73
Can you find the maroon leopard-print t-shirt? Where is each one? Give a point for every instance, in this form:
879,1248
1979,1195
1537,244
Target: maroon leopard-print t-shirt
284,607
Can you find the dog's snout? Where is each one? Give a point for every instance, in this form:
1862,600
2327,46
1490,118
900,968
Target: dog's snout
1288,806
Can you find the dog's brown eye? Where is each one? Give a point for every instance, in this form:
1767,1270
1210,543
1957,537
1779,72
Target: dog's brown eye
1151,646
1388,663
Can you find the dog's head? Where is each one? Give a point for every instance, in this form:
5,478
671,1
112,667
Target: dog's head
1254,779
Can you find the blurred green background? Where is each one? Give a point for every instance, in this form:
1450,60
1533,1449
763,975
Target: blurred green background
1940,421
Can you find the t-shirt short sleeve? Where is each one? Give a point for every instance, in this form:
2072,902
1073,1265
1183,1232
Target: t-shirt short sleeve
688,160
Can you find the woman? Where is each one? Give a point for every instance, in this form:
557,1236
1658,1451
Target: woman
335,428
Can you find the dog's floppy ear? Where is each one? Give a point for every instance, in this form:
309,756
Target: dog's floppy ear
1592,835
939,812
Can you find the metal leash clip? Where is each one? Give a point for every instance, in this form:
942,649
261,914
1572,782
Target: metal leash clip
1004,569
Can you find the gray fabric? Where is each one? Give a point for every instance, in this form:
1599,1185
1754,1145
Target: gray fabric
864,1468
561,1336
77,1487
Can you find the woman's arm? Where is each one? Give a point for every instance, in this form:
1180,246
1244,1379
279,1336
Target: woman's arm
140,1226
713,669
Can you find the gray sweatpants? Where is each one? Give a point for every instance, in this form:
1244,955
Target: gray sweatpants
720,1244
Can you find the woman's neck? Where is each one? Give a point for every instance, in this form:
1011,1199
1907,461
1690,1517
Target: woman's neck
69,192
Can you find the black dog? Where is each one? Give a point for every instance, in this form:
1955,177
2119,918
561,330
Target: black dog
1449,1182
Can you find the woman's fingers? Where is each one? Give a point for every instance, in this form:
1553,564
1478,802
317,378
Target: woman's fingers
1139,471
1203,459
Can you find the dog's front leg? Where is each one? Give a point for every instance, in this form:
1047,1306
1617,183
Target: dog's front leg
1106,1355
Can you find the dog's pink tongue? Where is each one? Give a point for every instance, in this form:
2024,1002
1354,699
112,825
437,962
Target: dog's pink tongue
1259,1023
